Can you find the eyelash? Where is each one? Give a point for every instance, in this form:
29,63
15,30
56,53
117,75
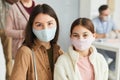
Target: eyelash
39,25
50,23
77,36
85,35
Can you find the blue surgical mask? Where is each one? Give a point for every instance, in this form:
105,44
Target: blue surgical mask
45,35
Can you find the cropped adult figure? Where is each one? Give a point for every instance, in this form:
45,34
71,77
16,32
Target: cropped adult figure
36,57
82,62
17,21
5,41
104,25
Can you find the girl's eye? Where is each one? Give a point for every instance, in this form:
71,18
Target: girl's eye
50,23
77,36
85,35
38,25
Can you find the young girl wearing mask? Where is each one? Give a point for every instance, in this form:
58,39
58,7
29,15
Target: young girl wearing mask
36,57
82,62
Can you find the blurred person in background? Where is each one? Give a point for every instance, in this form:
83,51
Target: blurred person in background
5,41
103,23
106,29
17,21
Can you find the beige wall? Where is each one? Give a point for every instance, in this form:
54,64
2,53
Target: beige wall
116,14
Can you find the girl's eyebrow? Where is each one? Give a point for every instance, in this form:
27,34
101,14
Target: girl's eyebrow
74,33
50,21
78,32
47,21
85,32
37,22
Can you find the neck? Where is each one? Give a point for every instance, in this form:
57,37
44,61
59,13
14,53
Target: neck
84,53
46,45
101,18
27,3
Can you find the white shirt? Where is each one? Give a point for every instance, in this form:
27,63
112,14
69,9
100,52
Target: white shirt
66,66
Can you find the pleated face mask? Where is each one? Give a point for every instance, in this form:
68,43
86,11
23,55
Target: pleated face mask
45,35
82,44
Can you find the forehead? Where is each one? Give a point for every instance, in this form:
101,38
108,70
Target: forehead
43,17
80,29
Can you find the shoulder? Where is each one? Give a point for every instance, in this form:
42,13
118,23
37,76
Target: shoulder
22,63
14,6
95,19
96,53
63,59
102,62
24,51
57,49
98,56
24,48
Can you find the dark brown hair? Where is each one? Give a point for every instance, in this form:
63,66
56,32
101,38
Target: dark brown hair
29,35
102,8
85,22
